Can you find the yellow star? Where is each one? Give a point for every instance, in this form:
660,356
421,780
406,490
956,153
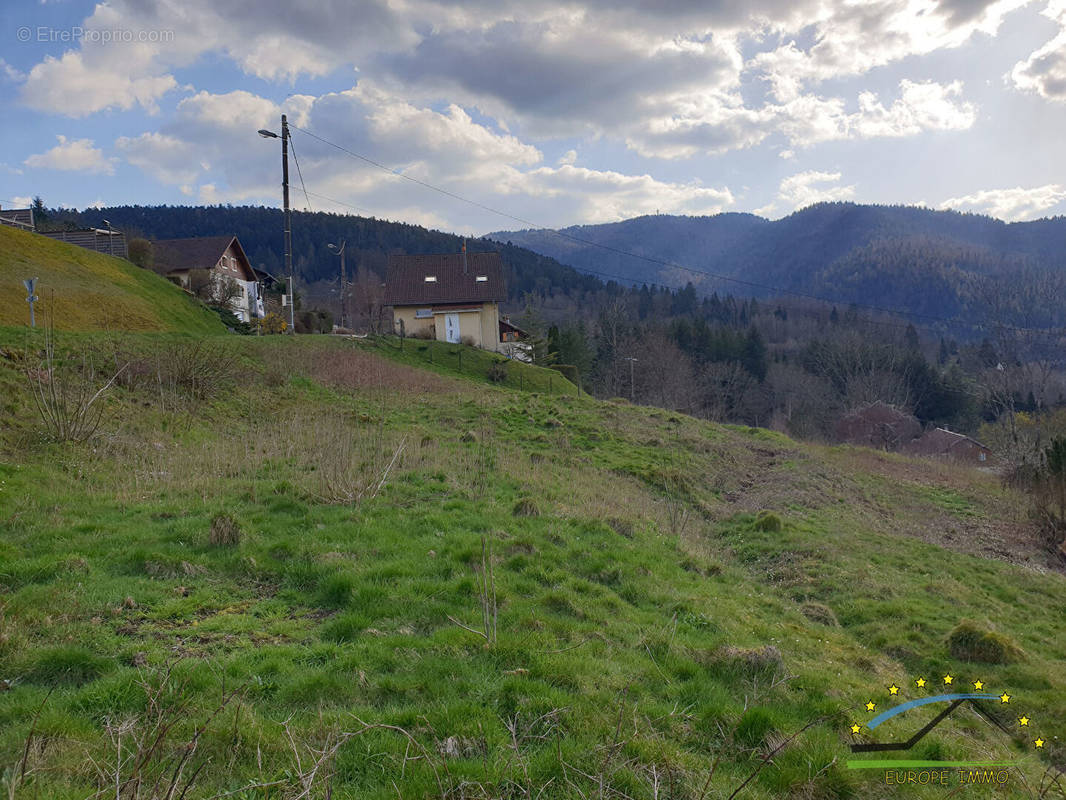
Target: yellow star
920,682
855,728
871,705
893,689
1005,697
1023,720
978,685
1039,742
948,679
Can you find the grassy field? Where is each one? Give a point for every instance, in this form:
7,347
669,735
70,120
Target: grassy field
81,290
334,566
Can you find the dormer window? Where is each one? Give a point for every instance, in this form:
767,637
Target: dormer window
431,279
482,278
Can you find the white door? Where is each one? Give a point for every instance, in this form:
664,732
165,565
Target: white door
451,328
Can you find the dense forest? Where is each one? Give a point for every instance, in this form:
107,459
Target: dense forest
794,363
929,263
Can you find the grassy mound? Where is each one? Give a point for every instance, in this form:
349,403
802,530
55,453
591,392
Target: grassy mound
81,290
969,641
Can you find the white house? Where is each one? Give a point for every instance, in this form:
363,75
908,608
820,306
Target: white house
223,258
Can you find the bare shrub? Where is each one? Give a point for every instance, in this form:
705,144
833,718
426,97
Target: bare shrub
485,577
68,394
526,507
199,369
153,754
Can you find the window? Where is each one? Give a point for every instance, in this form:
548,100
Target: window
423,313
431,279
482,278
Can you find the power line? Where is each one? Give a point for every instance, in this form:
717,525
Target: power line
338,202
663,262
298,172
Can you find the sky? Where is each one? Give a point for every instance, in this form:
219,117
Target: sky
544,113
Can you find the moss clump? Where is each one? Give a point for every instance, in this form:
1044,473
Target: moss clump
745,663
767,521
822,614
969,641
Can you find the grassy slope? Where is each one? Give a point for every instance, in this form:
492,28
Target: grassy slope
635,606
91,291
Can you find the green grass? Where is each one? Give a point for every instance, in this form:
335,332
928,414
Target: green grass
471,362
81,290
684,594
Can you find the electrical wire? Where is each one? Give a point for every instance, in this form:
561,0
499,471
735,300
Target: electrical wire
775,290
299,173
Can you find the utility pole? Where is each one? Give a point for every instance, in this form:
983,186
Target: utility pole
344,279
288,218
288,214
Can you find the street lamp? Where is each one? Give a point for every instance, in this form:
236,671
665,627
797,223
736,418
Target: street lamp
344,294
285,202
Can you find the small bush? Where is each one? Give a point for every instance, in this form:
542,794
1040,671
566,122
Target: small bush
225,531
526,507
67,664
754,727
497,372
767,521
969,641
336,590
822,614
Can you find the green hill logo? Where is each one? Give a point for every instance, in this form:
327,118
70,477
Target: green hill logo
950,693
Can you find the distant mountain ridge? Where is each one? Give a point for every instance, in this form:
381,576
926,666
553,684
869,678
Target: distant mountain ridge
923,260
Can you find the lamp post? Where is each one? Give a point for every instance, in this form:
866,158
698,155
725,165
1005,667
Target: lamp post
110,245
285,201
344,278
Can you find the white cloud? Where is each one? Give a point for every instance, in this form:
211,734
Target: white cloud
920,107
568,158
11,73
203,147
1044,72
166,158
720,123
1010,204
806,188
853,38
71,86
22,201
73,155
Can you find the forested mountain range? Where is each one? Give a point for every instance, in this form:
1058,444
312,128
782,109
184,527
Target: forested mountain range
931,263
